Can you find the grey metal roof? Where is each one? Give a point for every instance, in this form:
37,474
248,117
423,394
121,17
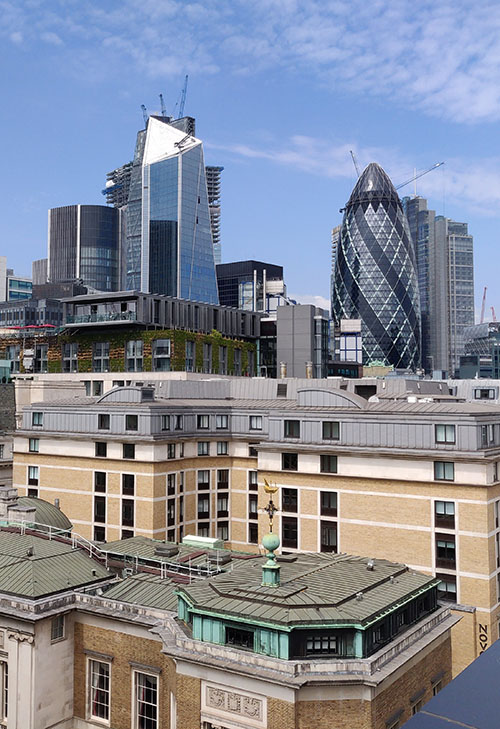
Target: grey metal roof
33,567
145,590
46,513
316,588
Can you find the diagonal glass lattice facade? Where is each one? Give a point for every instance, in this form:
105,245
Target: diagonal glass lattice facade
375,276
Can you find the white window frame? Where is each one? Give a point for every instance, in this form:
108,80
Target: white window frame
135,698
90,715
255,422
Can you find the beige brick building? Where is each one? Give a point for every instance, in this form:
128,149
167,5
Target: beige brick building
415,482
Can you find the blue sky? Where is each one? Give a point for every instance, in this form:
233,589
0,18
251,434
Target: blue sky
281,91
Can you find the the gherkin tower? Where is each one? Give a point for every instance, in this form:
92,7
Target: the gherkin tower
375,277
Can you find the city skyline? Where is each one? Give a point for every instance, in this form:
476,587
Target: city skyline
278,111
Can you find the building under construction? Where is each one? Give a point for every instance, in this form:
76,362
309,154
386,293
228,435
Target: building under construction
213,189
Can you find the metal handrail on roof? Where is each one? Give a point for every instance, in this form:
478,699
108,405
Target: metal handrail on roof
77,541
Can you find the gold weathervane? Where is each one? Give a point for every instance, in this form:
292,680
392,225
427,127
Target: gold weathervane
270,508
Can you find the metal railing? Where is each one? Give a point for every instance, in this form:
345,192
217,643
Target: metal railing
107,316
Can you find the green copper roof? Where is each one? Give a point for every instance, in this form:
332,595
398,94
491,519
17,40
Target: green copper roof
46,513
145,590
315,589
33,567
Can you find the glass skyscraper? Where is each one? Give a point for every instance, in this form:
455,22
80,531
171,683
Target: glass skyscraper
168,247
84,244
375,276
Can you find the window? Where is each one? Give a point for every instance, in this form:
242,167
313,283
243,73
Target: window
222,448
131,422
252,481
223,530
221,422
445,551
97,388
103,422
444,514
253,506
484,393
181,481
203,448
100,357
165,422
33,475
34,445
445,433
33,493
255,422
317,644
170,512
203,479
239,637
289,531
37,419
127,533
41,358
328,536
57,628
444,471
253,452
331,430
171,450
253,533
328,503
100,509
99,481
129,450
292,429
484,435
179,422
127,512
328,464
145,701
171,484
128,482
491,434
203,506
289,461
133,356
203,530
161,355
189,356
99,534
181,509
415,708
98,689
436,687
222,505
447,588
203,422
101,449
289,500
70,357
223,478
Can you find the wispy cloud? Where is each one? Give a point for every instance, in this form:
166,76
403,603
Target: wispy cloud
442,58
474,185
311,299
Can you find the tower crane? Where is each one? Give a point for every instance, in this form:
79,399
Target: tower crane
483,305
420,174
163,109
494,316
182,99
145,115
355,163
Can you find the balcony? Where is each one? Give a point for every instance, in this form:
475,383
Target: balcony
96,318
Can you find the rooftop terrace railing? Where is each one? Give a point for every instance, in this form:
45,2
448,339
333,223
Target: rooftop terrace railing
106,316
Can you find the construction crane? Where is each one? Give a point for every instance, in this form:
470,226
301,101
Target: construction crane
145,115
355,163
163,109
420,174
483,305
493,313
182,99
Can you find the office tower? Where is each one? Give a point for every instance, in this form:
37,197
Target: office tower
457,246
251,285
446,283
376,273
168,246
213,189
39,272
84,246
335,245
13,287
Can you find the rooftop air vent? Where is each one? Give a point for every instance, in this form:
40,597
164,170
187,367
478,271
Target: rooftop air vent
370,565
165,550
359,596
218,558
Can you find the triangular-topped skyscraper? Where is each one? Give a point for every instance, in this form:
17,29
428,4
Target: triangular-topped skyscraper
168,236
375,277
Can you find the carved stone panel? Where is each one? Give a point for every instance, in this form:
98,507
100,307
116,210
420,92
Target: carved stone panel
243,707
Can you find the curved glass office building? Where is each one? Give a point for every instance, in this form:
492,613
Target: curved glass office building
375,276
